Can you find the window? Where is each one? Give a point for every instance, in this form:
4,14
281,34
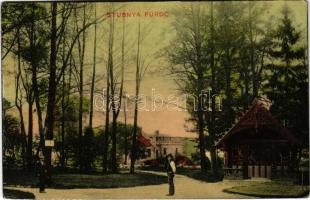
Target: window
148,153
165,151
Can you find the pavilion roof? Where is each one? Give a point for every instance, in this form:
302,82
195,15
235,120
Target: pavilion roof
258,116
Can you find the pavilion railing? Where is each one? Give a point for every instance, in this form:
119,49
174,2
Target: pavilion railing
283,172
234,172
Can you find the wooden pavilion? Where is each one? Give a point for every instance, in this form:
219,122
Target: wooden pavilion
258,145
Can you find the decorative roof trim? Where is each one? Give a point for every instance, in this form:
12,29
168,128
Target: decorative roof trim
257,104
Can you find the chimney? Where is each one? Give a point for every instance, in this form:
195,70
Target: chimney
264,101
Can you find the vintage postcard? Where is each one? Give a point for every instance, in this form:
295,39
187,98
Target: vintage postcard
153,100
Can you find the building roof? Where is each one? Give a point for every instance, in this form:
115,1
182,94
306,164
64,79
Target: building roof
160,134
143,141
258,116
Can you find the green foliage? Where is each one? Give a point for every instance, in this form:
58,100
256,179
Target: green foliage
33,34
287,87
198,175
124,140
189,147
251,57
89,150
6,105
195,157
233,49
17,194
67,115
71,181
11,138
11,132
273,189
12,16
93,139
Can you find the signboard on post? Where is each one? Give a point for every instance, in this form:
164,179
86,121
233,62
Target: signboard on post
49,143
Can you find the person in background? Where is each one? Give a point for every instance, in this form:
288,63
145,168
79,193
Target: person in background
171,169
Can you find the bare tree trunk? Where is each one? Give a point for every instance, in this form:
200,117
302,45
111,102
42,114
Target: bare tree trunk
63,107
30,131
246,92
134,135
201,124
19,106
106,130
113,150
213,85
200,89
49,121
228,91
126,137
35,86
135,123
110,86
62,156
81,56
107,122
116,102
93,76
38,107
23,132
113,94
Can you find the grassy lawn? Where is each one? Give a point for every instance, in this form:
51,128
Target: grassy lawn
198,175
107,181
193,173
273,189
16,194
70,181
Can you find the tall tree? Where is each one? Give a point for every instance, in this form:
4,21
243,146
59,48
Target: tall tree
116,96
107,108
287,87
142,64
212,115
136,102
92,87
81,42
32,50
254,50
45,75
126,132
229,27
187,55
49,120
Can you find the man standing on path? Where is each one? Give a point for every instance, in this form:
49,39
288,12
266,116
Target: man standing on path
171,169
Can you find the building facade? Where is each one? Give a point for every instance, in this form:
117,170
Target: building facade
163,145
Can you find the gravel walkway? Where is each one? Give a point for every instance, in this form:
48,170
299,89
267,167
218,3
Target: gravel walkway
185,188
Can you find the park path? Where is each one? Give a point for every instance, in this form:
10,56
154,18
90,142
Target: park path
185,188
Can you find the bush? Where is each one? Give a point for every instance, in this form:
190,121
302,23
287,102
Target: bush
17,194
